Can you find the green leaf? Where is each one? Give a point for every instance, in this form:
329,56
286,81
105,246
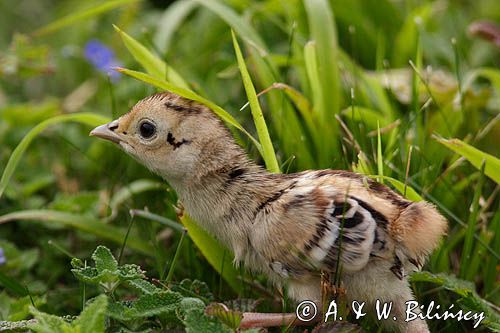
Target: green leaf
194,288
16,326
86,274
143,286
130,272
46,323
231,318
188,303
164,302
106,273
151,63
18,308
195,321
267,146
104,260
82,223
470,300
83,118
80,16
216,254
92,318
475,157
162,84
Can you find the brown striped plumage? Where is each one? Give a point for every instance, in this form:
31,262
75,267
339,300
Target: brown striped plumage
292,227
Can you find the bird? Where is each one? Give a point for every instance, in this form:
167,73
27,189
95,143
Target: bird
291,227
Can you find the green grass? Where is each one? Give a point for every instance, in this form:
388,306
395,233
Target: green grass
329,84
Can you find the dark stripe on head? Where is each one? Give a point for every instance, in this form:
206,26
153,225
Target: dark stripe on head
176,144
343,173
185,106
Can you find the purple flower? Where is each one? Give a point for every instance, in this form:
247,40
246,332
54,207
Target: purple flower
103,58
3,260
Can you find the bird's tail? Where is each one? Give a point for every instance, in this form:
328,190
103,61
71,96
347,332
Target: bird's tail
419,228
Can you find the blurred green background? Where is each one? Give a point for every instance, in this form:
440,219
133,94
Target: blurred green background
374,86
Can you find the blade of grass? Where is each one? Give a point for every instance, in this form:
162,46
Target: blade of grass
176,256
162,84
288,129
170,20
267,73
125,193
160,219
458,73
407,191
236,22
311,64
80,16
323,32
474,156
12,285
380,158
125,239
151,63
61,249
471,226
82,118
260,123
404,44
312,70
490,268
83,223
366,115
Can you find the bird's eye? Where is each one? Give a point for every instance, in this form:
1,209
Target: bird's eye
147,129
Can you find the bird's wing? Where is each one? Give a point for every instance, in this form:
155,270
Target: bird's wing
320,220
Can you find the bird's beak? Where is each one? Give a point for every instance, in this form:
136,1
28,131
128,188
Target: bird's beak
107,132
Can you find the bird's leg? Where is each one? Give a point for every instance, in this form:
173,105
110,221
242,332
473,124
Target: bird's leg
256,320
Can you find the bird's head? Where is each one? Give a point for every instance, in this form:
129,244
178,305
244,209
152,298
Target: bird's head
174,137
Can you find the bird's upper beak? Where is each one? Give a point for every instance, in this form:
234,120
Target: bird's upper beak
107,132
